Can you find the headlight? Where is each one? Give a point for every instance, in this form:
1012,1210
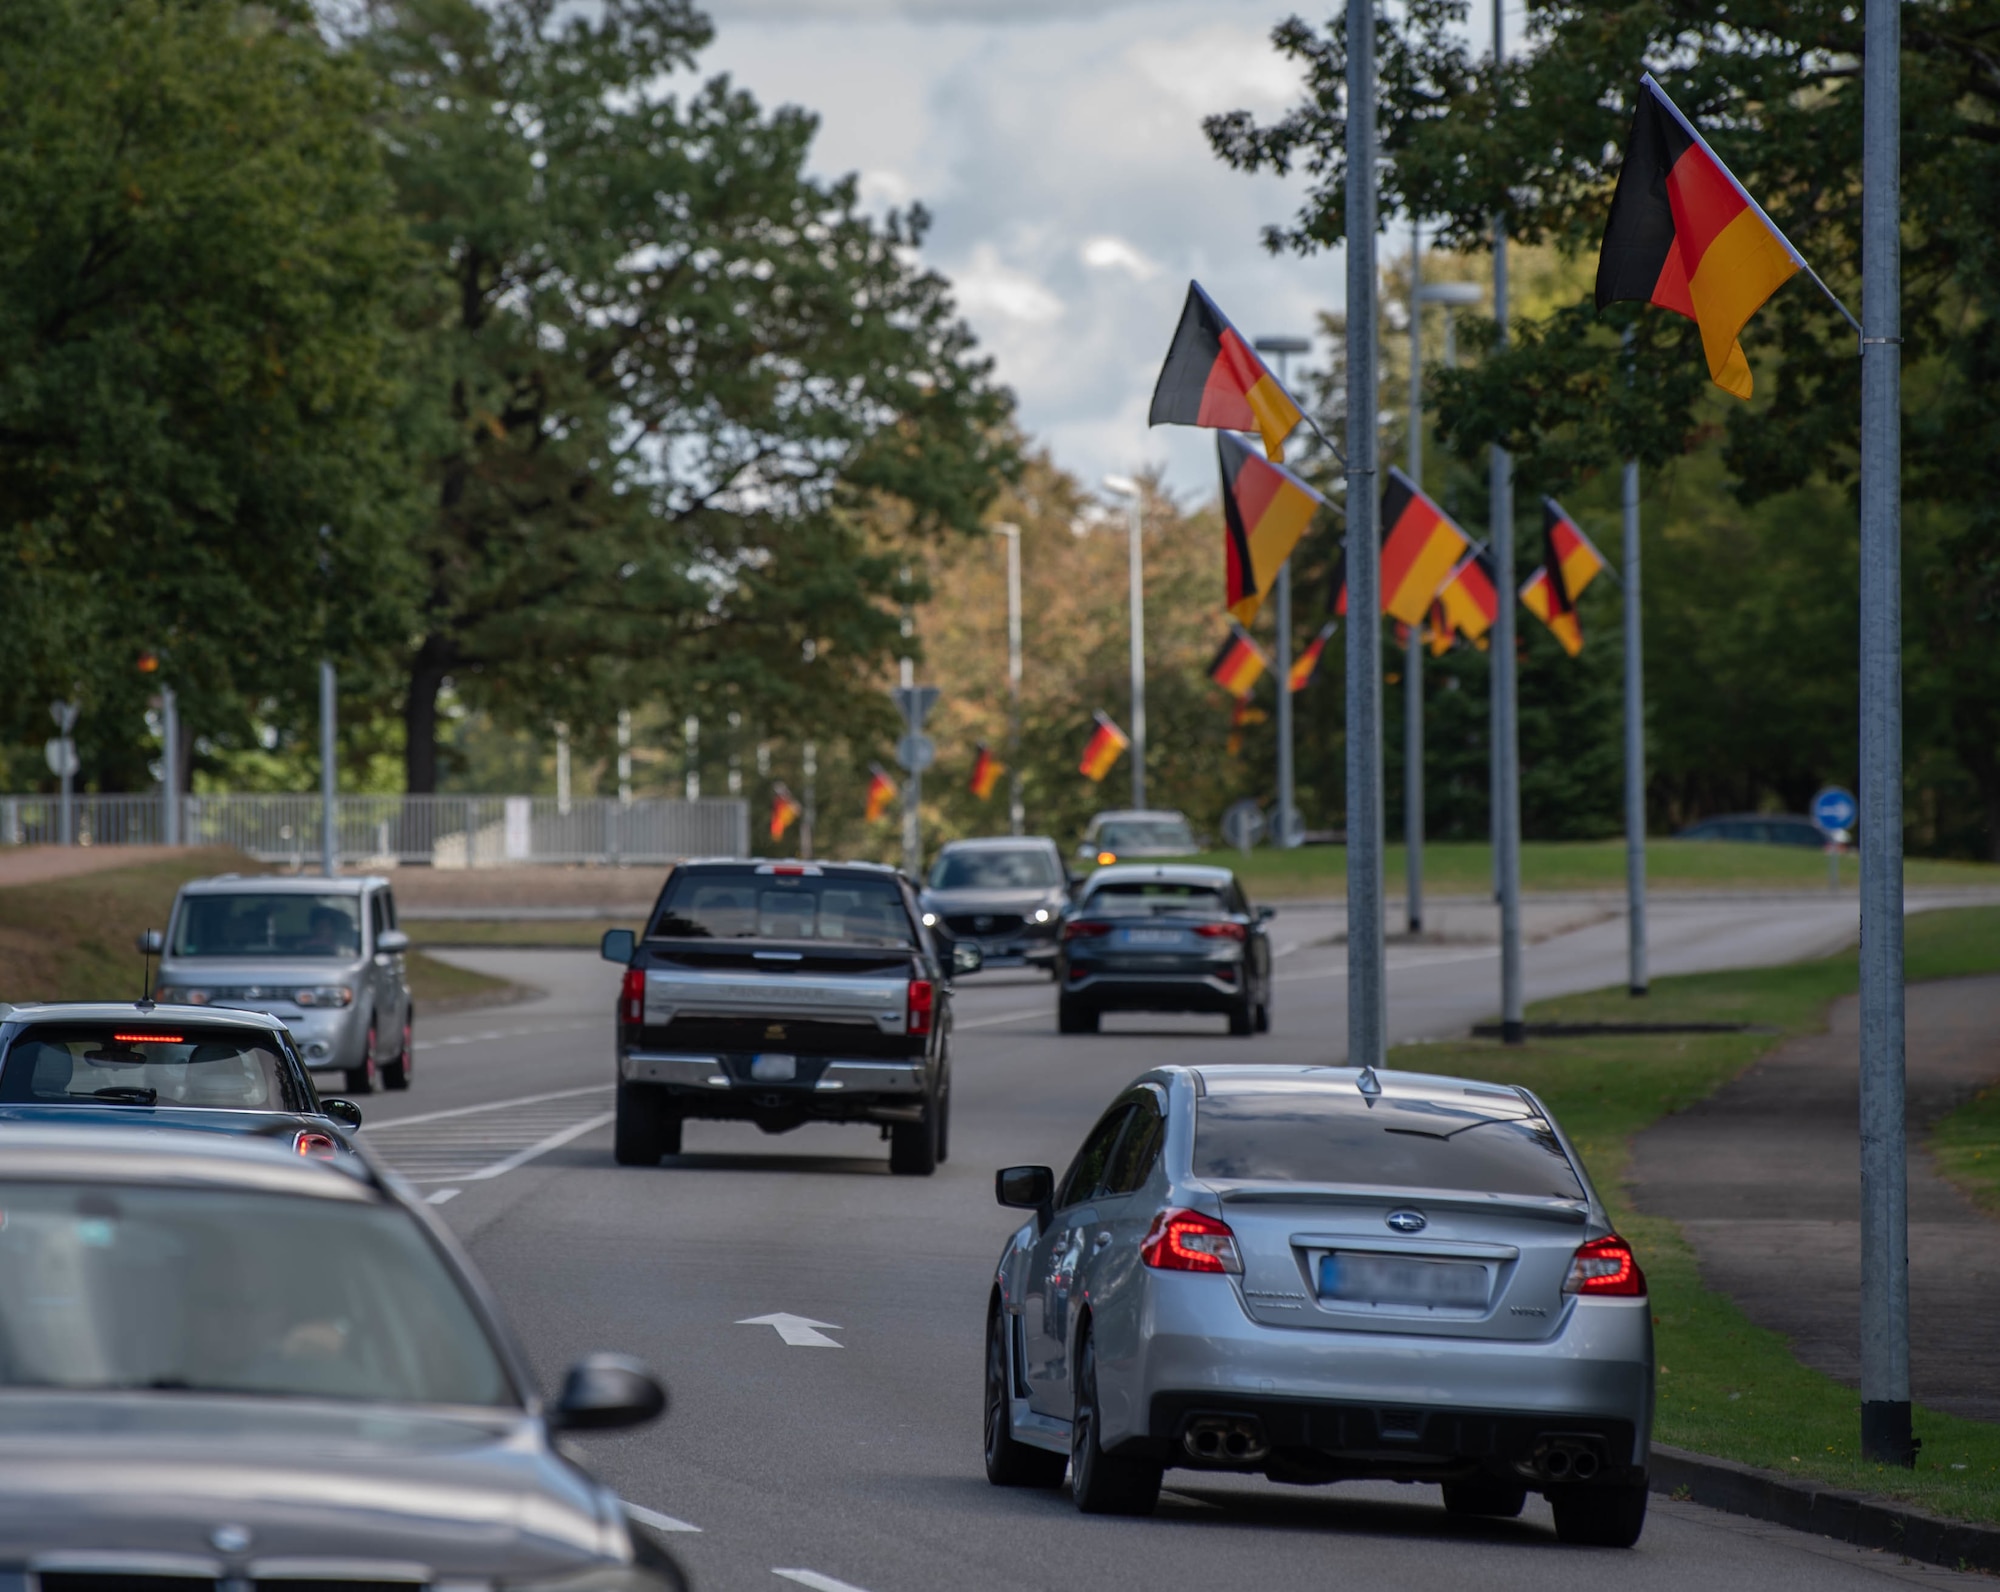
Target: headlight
930,920
1041,914
174,995
324,995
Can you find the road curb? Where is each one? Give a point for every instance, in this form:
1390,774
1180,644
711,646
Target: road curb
1852,1517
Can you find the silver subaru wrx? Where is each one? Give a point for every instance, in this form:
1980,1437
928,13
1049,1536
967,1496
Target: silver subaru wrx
1323,1274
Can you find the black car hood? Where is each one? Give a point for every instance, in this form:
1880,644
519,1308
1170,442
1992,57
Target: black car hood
1024,899
461,1494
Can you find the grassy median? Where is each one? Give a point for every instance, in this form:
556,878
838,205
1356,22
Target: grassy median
72,939
1728,1387
1466,868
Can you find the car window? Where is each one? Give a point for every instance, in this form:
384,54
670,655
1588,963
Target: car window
389,907
1313,1133
994,868
148,1064
728,904
1080,1182
378,915
268,925
1139,898
1145,1131
1150,834
224,1291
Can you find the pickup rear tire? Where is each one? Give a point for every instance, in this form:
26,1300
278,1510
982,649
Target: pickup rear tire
913,1146
645,1129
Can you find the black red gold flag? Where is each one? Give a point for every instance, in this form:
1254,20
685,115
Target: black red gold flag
1265,510
1102,750
1686,235
1420,544
881,792
1238,663
1469,598
1306,665
1214,378
986,772
1569,563
1240,714
785,810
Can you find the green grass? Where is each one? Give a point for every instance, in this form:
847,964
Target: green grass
440,986
503,932
1728,1387
1466,868
1966,1146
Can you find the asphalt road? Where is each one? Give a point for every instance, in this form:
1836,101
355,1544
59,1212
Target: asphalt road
854,1462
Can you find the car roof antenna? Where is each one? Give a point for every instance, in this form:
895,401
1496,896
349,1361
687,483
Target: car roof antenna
145,1001
1368,1083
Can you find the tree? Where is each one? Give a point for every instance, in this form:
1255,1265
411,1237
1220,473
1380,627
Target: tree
200,347
682,381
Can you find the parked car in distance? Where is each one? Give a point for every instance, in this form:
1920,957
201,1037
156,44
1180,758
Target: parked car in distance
323,955
1004,894
1164,937
95,1063
1323,1274
1136,832
783,993
229,1365
1769,829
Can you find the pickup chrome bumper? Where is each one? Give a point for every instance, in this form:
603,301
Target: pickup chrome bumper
723,1073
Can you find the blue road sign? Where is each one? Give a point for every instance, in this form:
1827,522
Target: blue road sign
1835,810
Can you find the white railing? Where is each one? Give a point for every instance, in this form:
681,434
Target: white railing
438,831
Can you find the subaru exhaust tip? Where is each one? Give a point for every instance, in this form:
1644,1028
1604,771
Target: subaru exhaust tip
1225,1439
1555,1464
1584,1465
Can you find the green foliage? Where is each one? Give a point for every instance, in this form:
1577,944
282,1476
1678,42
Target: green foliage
201,357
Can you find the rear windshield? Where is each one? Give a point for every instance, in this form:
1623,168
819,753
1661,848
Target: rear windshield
269,925
1139,898
1029,868
747,905
1319,1134
148,1064
1148,834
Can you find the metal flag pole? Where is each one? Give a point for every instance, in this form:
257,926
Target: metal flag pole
1016,812
1506,761
329,828
1635,747
1287,803
1413,651
1367,1016
1885,1279
170,773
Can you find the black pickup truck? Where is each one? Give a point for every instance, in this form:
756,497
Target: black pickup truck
783,993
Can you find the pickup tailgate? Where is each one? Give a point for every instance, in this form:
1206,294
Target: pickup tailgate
730,997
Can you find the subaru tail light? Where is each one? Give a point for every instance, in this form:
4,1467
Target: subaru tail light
1078,930
1222,931
319,1146
632,998
1190,1241
1606,1268
923,1005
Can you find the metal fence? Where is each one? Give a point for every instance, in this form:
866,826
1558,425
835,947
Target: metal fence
438,831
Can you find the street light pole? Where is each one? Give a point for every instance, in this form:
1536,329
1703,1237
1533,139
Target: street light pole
170,772
329,829
1507,813
1287,802
1016,812
1124,486
1413,650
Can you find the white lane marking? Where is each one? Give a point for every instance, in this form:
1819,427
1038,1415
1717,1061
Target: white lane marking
555,1141
442,1196
493,1105
653,1518
503,1033
994,1022
1411,966
798,1331
818,1582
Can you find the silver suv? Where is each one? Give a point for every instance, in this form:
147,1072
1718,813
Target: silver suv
324,956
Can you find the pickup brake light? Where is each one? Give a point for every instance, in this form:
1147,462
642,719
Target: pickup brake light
632,998
922,1007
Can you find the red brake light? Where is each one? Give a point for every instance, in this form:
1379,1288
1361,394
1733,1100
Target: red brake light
1222,931
147,1039
632,998
1606,1267
789,871
1190,1241
1084,931
923,1001
319,1146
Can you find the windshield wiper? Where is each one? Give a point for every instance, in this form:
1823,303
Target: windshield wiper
127,1094
1483,1122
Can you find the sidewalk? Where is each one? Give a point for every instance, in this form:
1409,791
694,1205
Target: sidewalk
1764,1178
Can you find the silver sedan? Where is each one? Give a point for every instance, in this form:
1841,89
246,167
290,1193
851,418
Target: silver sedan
1323,1274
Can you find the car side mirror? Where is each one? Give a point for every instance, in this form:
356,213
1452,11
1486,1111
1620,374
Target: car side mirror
1026,1188
966,958
1085,851
605,1391
392,942
345,1112
618,946
1265,914
152,943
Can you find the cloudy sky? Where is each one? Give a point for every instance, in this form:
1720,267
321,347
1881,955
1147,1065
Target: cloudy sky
1058,144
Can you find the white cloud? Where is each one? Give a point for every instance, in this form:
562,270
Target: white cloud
1115,254
985,286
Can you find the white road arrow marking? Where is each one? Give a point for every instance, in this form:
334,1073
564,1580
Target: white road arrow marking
818,1582
798,1331
653,1518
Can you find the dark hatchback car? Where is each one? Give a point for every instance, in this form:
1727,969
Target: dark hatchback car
1164,938
182,1067
229,1366
1005,895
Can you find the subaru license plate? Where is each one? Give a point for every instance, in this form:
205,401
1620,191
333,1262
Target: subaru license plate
1395,1280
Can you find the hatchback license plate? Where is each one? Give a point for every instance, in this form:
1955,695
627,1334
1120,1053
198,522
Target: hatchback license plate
1152,936
1393,1280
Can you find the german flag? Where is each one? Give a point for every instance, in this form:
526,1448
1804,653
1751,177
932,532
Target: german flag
1686,235
1470,600
785,810
1107,741
986,772
1239,715
1305,667
1439,633
1419,546
1265,510
1569,563
1213,378
881,792
1238,663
